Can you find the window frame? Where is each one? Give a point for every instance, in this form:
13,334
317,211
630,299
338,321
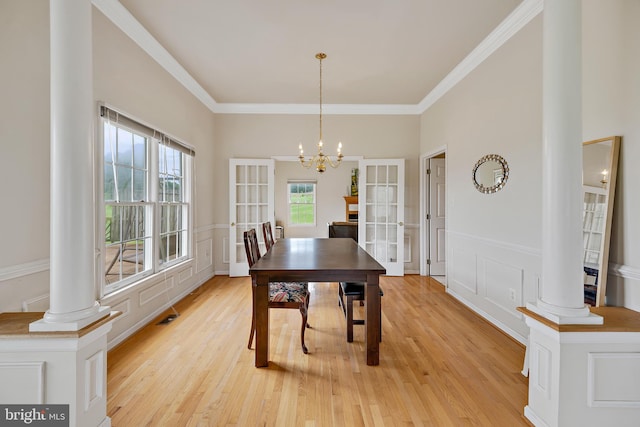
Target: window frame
314,203
155,141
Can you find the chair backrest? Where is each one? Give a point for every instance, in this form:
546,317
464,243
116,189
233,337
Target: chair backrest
251,246
344,230
268,235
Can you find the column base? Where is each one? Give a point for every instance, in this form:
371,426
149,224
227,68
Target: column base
584,374
565,316
61,324
63,368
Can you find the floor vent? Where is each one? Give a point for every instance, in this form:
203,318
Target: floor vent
170,318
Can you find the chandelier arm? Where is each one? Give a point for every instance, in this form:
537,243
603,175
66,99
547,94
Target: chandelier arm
331,163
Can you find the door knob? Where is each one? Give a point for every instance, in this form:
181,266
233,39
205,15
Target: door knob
233,224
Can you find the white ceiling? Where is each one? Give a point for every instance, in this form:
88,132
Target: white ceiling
380,52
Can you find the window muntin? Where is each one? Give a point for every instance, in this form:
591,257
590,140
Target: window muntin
145,201
302,203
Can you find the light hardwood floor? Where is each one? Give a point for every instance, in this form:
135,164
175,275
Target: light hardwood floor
440,365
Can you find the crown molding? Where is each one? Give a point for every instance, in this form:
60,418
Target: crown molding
521,16
123,19
327,109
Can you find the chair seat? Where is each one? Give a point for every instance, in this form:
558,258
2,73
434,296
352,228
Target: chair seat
354,289
288,292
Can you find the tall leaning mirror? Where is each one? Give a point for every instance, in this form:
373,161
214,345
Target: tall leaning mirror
599,170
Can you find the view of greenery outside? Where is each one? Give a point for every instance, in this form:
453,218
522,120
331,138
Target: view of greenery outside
302,203
136,195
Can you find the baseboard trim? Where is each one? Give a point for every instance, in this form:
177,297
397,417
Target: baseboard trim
498,324
149,318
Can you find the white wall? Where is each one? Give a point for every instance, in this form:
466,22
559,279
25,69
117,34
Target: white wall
611,106
494,241
24,151
127,79
264,136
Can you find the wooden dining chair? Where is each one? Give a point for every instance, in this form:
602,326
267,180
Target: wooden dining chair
268,235
281,294
348,293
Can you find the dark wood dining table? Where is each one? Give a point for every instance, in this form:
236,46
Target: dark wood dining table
316,260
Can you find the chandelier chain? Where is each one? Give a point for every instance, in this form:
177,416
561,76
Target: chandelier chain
321,57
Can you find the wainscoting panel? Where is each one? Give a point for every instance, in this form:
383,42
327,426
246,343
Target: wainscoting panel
225,250
154,291
463,271
123,307
493,278
612,380
407,248
503,284
540,372
30,376
94,379
185,275
204,254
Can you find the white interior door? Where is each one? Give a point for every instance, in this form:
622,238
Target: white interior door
381,212
251,195
436,218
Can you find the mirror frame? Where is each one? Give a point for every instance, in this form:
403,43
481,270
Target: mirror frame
505,173
603,263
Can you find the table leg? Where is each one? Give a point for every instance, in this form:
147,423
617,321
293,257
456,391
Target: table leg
372,322
261,307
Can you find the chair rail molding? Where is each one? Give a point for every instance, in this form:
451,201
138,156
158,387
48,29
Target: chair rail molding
21,270
500,244
624,271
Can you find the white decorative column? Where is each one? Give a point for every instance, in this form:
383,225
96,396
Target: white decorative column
582,370
73,302
61,358
562,296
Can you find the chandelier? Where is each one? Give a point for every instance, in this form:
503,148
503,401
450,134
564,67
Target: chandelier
320,160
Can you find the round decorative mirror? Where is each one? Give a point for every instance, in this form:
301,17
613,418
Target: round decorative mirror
490,173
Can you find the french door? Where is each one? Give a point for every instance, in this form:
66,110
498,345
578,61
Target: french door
381,212
251,190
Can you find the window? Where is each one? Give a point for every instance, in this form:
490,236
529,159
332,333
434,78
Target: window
145,200
302,203
172,204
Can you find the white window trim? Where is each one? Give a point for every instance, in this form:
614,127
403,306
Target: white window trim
107,290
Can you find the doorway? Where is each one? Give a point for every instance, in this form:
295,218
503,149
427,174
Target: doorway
433,195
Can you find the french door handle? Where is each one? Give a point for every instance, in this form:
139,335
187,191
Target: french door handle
233,224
